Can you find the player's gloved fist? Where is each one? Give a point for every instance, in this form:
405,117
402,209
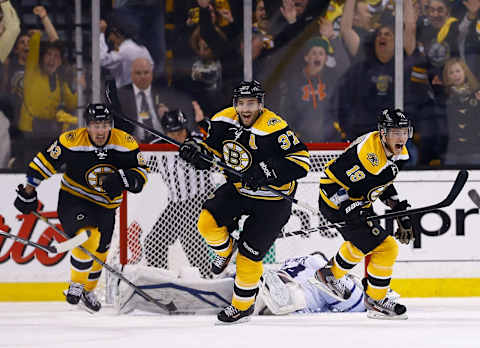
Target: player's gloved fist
404,232
192,152
258,175
113,184
26,201
354,212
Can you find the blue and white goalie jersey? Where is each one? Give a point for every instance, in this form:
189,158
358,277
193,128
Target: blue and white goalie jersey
301,269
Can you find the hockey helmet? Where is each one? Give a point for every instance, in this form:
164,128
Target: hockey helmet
98,112
174,121
249,89
394,118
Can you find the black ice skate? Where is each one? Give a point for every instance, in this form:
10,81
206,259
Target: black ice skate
220,263
90,302
326,281
386,308
74,293
232,315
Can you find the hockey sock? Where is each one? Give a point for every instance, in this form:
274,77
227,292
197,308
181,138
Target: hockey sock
95,272
216,237
348,256
81,263
380,268
246,282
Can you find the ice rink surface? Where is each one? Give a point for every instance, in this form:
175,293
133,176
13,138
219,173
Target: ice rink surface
439,322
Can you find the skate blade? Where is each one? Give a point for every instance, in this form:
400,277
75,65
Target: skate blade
324,288
377,315
239,321
85,308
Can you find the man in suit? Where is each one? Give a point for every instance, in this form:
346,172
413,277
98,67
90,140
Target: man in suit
145,102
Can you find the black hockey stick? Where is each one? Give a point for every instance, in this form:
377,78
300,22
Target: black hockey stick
473,194
112,101
169,307
457,187
54,249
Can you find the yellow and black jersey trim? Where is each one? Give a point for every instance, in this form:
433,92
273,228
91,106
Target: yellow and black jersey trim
78,140
42,166
212,150
287,189
332,177
143,172
371,153
267,123
88,194
302,158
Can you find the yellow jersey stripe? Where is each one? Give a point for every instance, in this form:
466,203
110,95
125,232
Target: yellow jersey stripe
38,170
326,200
75,193
141,173
304,165
332,177
46,163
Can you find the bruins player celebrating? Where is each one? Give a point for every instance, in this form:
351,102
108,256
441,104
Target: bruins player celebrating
100,163
259,144
352,182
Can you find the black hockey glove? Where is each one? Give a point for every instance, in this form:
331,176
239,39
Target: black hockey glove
354,213
26,202
191,152
115,183
258,175
404,232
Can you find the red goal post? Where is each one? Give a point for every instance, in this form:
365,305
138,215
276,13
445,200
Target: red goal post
167,208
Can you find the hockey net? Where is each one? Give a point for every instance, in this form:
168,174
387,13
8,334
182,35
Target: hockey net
157,227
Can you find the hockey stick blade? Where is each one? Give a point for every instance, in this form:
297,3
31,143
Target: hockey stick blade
473,194
72,243
46,248
452,195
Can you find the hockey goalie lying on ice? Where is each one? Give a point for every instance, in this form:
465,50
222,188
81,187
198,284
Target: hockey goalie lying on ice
282,291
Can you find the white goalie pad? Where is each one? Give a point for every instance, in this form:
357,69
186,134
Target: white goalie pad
280,293
191,295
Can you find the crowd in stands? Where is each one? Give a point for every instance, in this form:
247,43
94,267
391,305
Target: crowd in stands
327,65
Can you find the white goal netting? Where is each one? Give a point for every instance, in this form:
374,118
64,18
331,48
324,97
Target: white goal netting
157,227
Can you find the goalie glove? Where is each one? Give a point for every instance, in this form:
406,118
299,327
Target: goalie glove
115,183
258,175
404,232
26,202
191,152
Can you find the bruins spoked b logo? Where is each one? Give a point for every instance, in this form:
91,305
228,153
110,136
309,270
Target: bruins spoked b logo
93,175
236,155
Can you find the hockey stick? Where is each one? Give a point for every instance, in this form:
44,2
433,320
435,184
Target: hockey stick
169,307
112,101
473,194
54,249
457,187
59,248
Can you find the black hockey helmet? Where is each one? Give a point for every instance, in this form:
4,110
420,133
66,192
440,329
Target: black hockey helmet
394,118
173,121
98,112
249,89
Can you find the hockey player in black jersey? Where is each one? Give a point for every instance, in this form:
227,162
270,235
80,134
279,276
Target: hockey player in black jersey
352,182
259,144
101,162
